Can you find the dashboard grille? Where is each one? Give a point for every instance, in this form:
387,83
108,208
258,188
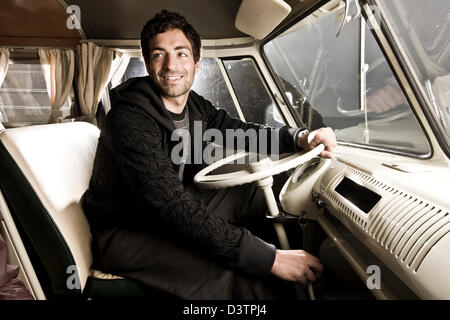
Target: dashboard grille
349,212
405,225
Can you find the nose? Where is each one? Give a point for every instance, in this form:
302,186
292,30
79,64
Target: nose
170,61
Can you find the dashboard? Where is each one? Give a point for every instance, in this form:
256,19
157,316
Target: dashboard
408,232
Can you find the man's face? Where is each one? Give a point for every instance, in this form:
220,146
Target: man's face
171,63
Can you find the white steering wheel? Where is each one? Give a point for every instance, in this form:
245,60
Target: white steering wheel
262,172
258,170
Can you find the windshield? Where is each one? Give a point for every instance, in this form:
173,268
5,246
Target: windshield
344,82
423,29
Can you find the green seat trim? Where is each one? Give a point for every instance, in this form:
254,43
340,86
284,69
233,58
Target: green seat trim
48,251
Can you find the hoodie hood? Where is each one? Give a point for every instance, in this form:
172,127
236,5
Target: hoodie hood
142,93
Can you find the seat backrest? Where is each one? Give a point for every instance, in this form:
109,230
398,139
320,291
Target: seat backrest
45,170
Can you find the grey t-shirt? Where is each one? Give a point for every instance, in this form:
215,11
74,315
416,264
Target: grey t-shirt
181,121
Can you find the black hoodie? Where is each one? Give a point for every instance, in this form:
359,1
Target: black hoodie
135,184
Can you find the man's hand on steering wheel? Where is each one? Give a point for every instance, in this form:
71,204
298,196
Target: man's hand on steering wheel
312,139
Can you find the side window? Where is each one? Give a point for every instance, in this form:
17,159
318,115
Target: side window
423,29
210,84
347,80
254,99
135,68
23,96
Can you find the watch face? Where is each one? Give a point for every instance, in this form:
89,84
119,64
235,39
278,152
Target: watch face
305,131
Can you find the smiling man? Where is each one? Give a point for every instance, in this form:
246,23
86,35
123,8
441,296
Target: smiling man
149,222
172,67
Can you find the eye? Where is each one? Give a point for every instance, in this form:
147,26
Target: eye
183,54
156,55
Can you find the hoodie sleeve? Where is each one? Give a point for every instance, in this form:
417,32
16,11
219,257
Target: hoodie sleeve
136,142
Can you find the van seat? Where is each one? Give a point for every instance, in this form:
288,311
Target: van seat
45,169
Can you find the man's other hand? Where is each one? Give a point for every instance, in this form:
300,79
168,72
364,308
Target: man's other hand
296,265
314,138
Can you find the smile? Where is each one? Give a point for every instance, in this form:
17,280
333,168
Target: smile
172,78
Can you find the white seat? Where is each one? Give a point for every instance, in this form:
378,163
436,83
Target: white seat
57,161
45,171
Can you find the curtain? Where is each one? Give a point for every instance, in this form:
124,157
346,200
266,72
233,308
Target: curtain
118,68
94,67
58,66
4,62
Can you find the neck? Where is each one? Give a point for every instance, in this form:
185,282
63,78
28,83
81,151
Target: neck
175,104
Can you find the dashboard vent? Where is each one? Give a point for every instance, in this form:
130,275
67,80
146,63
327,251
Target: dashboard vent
406,226
349,212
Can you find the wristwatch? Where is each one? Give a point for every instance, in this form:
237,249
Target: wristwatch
300,133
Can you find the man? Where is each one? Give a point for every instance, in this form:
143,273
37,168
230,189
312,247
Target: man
148,221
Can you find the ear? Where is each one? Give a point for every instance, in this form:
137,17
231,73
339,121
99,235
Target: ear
197,66
148,68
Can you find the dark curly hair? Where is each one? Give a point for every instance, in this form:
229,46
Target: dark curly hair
164,21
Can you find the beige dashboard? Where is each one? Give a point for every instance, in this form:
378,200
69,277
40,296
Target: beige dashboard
397,207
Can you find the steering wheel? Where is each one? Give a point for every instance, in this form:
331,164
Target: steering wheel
259,171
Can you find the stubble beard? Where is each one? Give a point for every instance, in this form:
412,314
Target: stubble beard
176,90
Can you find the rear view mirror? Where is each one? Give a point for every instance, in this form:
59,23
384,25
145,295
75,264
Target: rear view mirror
258,18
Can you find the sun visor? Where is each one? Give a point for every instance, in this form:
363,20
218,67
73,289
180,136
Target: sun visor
258,18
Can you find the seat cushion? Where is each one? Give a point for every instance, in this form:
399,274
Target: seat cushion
47,169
